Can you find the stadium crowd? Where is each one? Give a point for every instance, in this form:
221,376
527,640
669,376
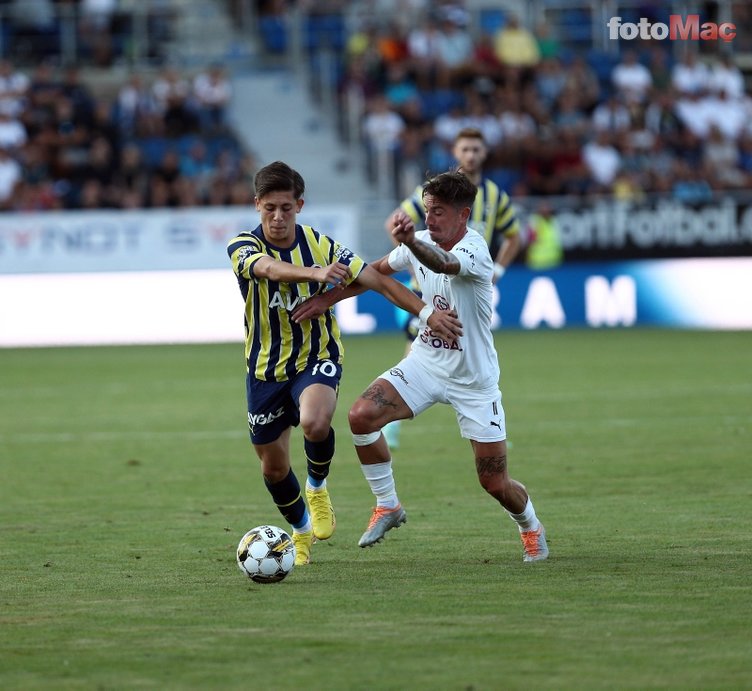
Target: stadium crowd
161,142
557,120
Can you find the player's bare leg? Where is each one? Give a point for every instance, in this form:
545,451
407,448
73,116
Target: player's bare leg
378,405
491,466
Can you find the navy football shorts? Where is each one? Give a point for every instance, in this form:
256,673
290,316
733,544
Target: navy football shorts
275,406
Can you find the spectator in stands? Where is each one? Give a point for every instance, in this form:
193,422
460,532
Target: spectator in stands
104,123
213,91
689,185
660,71
35,29
689,75
721,156
611,116
479,116
195,165
171,93
662,120
745,155
164,182
725,77
631,79
517,125
14,86
548,45
131,179
569,174
455,49
569,115
12,133
96,28
44,90
400,88
135,110
657,178
79,94
11,176
582,81
425,56
517,50
383,129
391,43
602,160
486,66
729,114
695,112
550,81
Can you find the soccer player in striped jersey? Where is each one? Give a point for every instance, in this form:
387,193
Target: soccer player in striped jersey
453,267
492,215
293,369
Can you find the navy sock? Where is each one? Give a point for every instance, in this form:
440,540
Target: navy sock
286,495
319,456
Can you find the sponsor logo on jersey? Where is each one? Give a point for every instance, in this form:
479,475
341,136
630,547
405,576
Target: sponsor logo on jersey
440,303
284,301
397,372
344,255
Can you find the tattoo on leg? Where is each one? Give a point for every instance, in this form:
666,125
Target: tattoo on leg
375,393
491,465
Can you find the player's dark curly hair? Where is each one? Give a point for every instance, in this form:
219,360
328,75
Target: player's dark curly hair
452,188
278,177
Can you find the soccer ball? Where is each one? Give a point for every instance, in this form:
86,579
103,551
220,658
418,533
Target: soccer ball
266,554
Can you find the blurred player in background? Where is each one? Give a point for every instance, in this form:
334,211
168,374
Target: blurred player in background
453,267
492,215
293,370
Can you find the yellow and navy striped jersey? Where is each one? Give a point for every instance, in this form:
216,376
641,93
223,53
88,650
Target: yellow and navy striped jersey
492,215
276,348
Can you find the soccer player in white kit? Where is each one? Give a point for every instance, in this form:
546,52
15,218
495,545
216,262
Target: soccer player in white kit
454,268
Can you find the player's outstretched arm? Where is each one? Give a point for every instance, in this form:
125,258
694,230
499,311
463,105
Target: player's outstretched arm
444,323
335,274
316,305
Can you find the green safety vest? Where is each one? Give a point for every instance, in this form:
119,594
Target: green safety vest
545,251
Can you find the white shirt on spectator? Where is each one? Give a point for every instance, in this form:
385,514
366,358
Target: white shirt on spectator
10,174
696,114
728,115
447,126
212,92
12,133
516,125
488,125
633,80
689,77
383,129
726,78
13,89
611,118
603,161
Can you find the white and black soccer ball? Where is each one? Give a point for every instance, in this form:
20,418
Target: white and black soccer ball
266,554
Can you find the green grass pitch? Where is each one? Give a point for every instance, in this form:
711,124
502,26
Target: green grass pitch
127,479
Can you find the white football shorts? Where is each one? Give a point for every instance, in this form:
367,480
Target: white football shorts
480,414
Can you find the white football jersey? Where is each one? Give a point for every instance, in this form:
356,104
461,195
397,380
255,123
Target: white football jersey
471,360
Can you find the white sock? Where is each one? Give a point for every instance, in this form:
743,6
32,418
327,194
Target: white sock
305,526
315,488
381,481
527,520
